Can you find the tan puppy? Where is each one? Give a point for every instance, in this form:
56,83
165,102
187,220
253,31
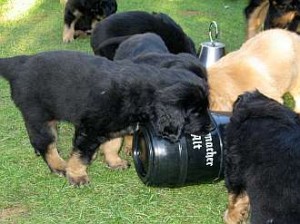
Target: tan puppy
268,62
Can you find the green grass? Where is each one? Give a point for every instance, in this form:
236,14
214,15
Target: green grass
29,193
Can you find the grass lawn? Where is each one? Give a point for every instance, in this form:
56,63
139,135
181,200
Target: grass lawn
29,193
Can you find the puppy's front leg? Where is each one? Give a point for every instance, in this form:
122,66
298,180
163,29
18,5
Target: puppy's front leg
85,146
238,208
238,199
70,20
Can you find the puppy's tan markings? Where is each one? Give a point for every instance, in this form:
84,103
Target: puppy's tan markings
283,20
127,144
257,18
110,150
69,31
94,23
238,209
52,157
54,161
76,170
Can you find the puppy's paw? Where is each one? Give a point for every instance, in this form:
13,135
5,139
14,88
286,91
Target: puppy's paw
55,163
68,38
76,179
76,171
60,172
228,219
118,164
68,35
232,217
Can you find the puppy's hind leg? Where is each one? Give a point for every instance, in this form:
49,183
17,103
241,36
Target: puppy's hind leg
43,137
110,150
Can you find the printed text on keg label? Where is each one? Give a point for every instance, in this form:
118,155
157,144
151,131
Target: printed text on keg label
206,142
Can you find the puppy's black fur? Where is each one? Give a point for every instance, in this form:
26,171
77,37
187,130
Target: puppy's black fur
253,4
109,33
283,14
262,159
83,15
101,98
150,49
140,44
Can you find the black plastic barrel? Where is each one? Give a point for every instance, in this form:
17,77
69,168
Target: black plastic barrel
193,159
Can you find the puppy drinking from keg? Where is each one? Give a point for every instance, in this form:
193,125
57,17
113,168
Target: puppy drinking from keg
86,13
262,162
268,14
109,33
269,62
102,99
149,49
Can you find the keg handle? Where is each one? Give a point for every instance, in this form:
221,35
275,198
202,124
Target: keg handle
213,27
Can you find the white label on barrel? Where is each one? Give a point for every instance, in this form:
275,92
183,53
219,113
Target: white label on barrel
198,141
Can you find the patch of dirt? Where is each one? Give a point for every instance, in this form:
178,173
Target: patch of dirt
9,212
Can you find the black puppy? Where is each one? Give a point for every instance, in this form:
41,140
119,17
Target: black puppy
87,13
102,99
150,49
268,14
262,162
109,33
140,44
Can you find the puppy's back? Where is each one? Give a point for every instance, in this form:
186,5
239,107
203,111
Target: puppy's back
140,44
269,62
137,22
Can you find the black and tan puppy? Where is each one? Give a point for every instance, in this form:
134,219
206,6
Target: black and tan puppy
112,31
149,49
87,13
102,99
262,162
268,14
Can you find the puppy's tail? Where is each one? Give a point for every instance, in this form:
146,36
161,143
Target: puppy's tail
9,66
